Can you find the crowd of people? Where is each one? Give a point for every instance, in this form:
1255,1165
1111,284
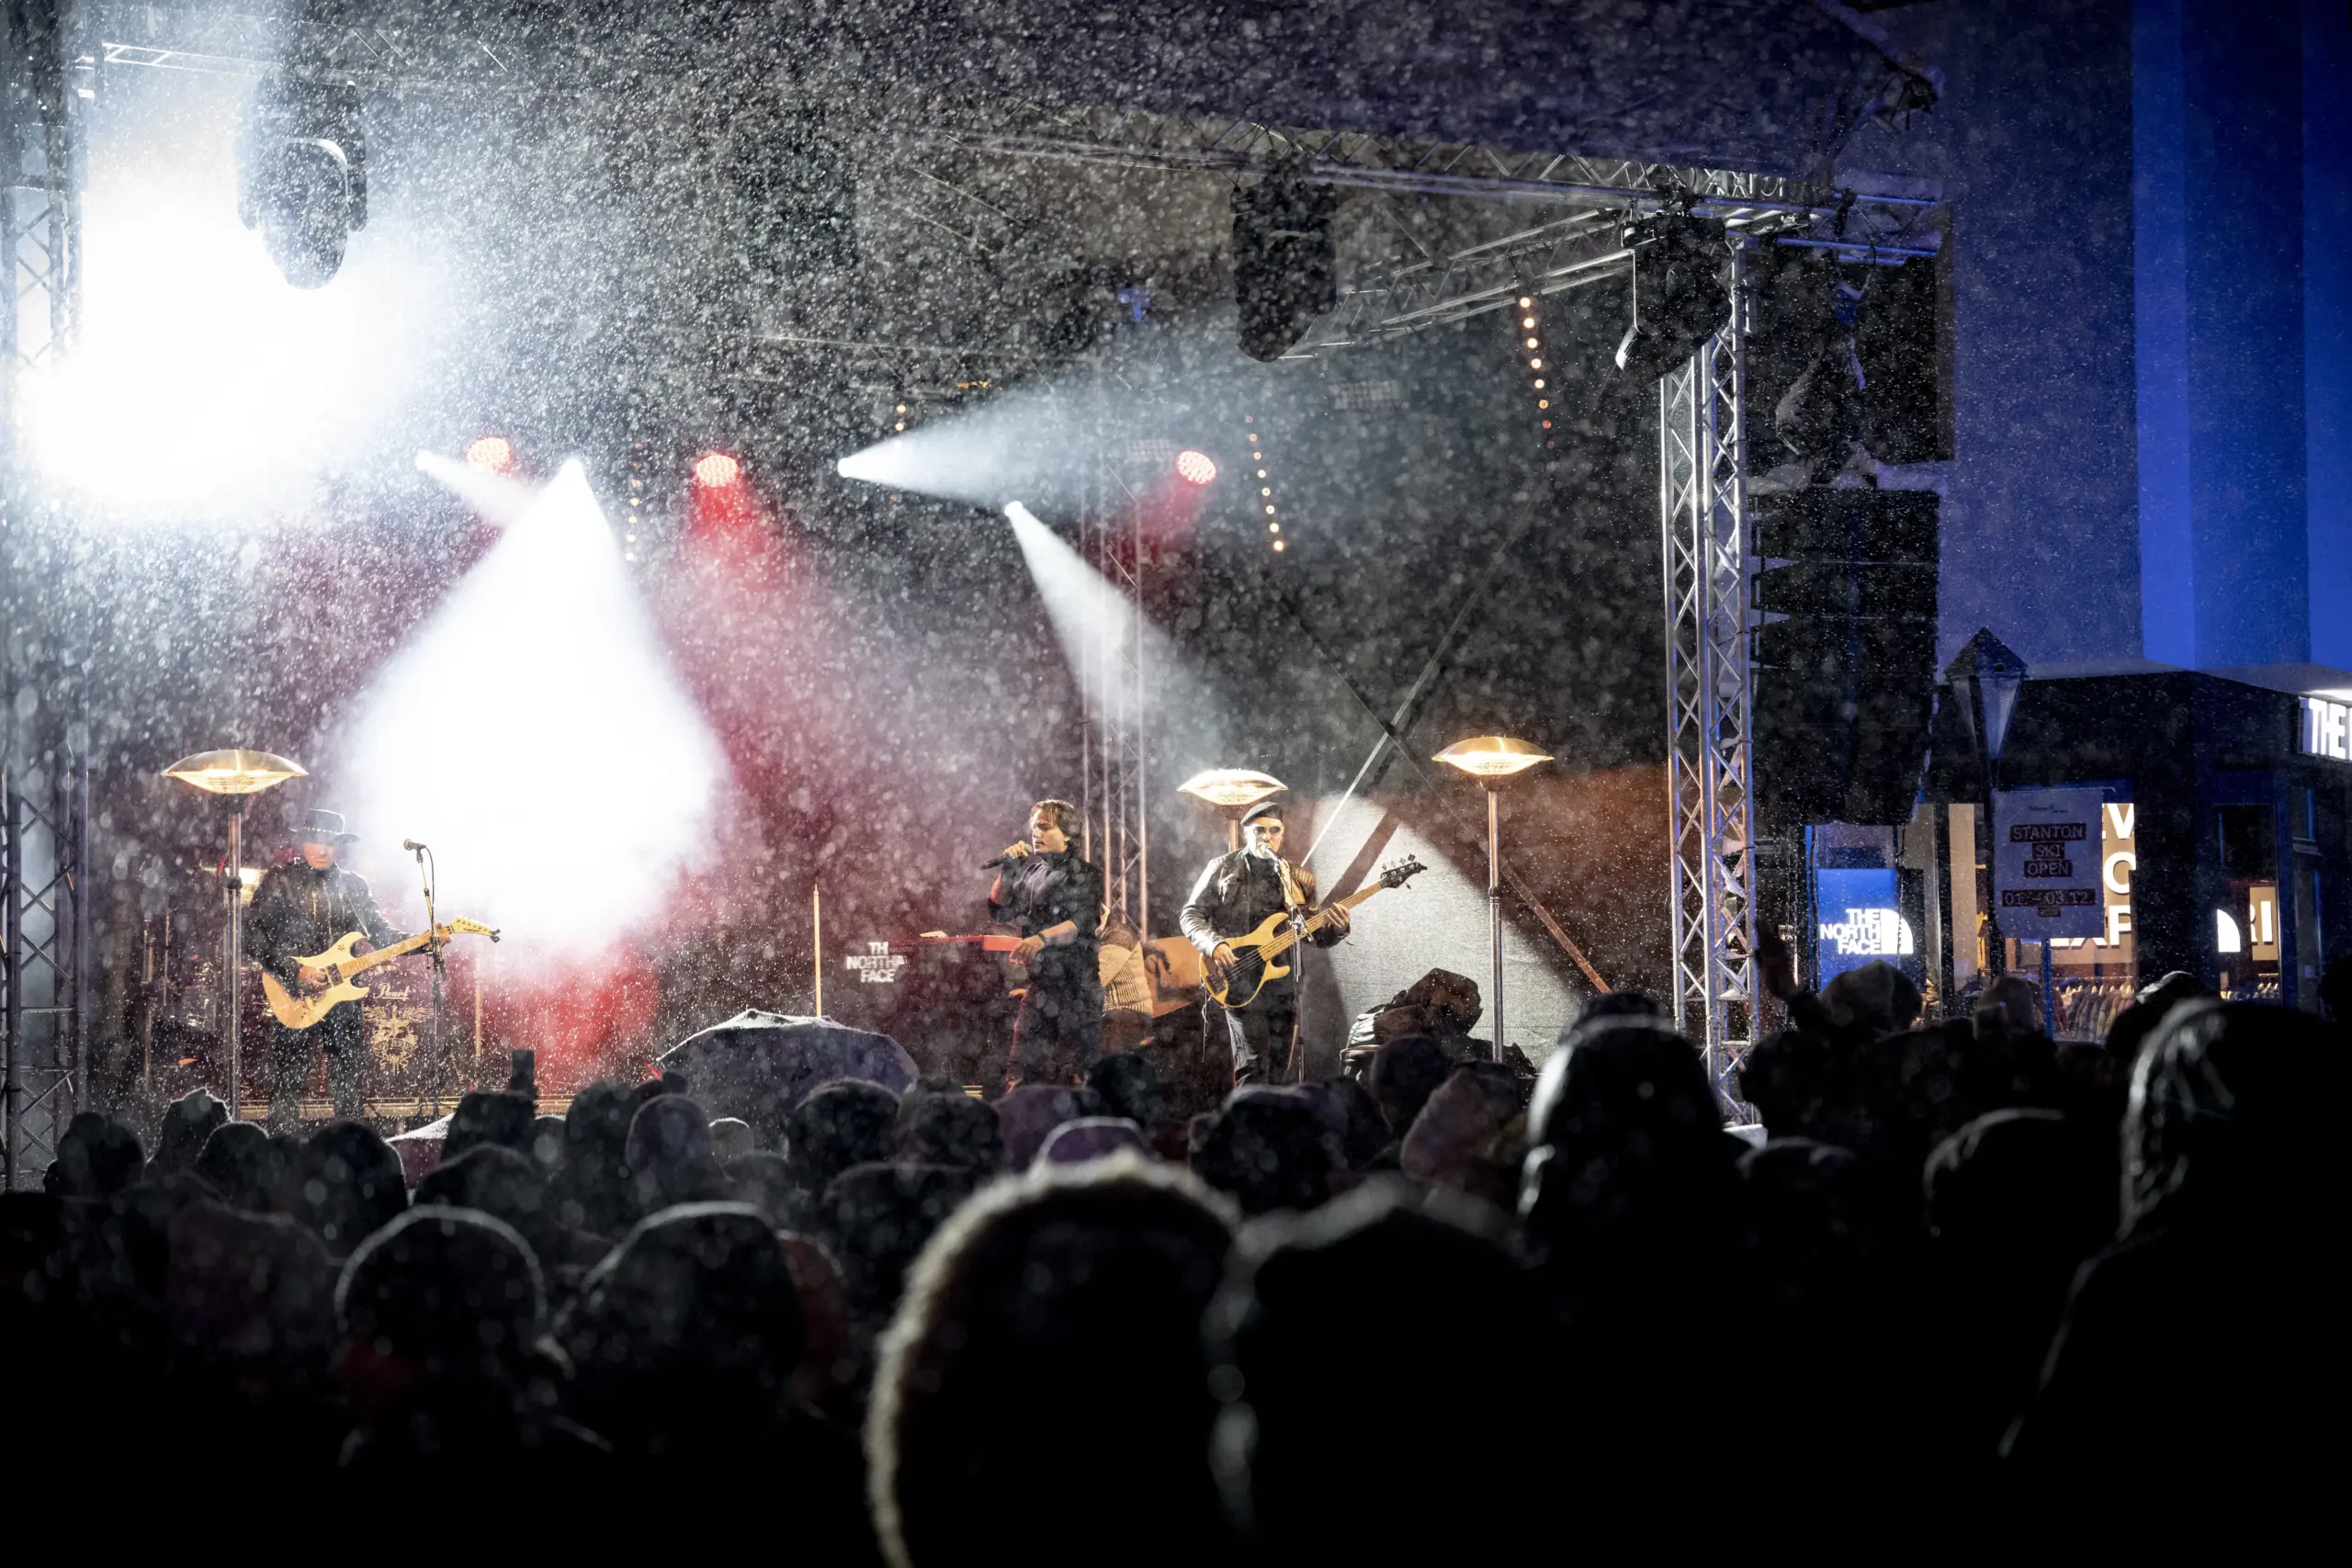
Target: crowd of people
1387,1318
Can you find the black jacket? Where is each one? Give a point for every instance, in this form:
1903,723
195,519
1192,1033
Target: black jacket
1236,892
1042,891
297,911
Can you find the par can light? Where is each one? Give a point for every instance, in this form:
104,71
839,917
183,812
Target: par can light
1198,468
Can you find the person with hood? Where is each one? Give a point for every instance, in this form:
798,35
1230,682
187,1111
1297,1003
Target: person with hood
2206,1333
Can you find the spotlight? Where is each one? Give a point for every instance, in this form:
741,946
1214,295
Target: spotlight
302,175
717,471
491,455
1196,466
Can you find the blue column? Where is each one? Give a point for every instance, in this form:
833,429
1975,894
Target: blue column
2217,137
2327,322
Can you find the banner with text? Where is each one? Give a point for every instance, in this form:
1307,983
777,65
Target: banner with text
2047,848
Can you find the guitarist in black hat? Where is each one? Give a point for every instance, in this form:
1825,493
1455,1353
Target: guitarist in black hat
304,907
1236,892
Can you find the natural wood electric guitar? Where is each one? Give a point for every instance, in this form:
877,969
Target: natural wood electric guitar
299,1009
1255,955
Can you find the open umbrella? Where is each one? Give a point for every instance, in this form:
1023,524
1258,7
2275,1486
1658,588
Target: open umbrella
758,1066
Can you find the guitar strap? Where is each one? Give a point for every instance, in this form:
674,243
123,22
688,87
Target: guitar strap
1293,899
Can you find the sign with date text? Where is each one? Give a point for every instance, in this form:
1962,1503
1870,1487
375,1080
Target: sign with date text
2048,845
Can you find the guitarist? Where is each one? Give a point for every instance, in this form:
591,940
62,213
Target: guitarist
302,906
1236,892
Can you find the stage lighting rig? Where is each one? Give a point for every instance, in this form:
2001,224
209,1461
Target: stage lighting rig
302,175
1681,287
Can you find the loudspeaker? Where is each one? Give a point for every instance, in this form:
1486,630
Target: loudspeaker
1844,679
1285,263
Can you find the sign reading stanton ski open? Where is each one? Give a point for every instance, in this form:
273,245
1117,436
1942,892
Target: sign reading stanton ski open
2046,854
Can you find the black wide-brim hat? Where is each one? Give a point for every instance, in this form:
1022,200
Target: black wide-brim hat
319,825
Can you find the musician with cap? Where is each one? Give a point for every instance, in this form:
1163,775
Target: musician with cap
1234,894
301,907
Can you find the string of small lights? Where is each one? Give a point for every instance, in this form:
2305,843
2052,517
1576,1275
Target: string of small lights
1258,473
633,525
1531,337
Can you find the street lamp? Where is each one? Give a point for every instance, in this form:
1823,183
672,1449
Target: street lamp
233,774
1986,680
1491,759
1232,791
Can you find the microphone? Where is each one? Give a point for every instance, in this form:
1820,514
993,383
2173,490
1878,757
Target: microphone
999,863
411,845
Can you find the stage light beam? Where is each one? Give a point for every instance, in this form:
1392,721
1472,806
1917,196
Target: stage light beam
534,734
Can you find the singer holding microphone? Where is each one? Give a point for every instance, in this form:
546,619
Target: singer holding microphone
303,906
1055,900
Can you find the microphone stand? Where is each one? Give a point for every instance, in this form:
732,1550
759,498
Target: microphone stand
436,1069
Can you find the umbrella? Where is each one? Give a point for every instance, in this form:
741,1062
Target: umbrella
758,1066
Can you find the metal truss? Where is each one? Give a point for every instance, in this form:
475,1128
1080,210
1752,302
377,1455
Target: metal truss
44,909
1117,822
39,238
1710,689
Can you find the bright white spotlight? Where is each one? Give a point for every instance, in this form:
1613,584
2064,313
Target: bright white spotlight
535,735
717,471
1197,467
491,453
199,384
498,496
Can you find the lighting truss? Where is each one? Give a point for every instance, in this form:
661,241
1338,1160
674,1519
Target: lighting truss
1117,823
45,911
1709,691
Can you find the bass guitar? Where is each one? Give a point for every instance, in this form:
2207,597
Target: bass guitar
1257,956
299,1009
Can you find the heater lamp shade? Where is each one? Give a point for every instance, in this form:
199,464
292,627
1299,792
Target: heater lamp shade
235,771
1491,756
1232,788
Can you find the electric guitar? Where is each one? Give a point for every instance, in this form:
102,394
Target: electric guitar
1255,955
299,1009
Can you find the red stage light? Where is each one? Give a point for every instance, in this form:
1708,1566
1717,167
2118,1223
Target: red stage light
1197,467
717,471
491,455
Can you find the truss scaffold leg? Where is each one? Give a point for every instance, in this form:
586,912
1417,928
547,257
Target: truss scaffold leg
1709,684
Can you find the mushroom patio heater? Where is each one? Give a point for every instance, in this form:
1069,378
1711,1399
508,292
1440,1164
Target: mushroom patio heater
234,773
1232,791
1491,759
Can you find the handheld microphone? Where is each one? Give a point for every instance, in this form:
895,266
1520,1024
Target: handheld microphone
999,863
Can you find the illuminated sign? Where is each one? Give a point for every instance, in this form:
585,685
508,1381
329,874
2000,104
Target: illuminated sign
2119,858
2047,863
1869,933
2326,729
1856,920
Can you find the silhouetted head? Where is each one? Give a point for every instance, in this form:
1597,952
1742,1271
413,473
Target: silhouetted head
1368,1131
1628,1171
239,1163
947,1126
1404,1073
191,1120
1128,1085
1093,1138
1874,999
1269,1151
350,1185
249,1298
684,1338
2229,1120
668,1154
1358,1318
847,1121
874,1220
487,1117
1052,1329
1029,1114
442,1305
97,1157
